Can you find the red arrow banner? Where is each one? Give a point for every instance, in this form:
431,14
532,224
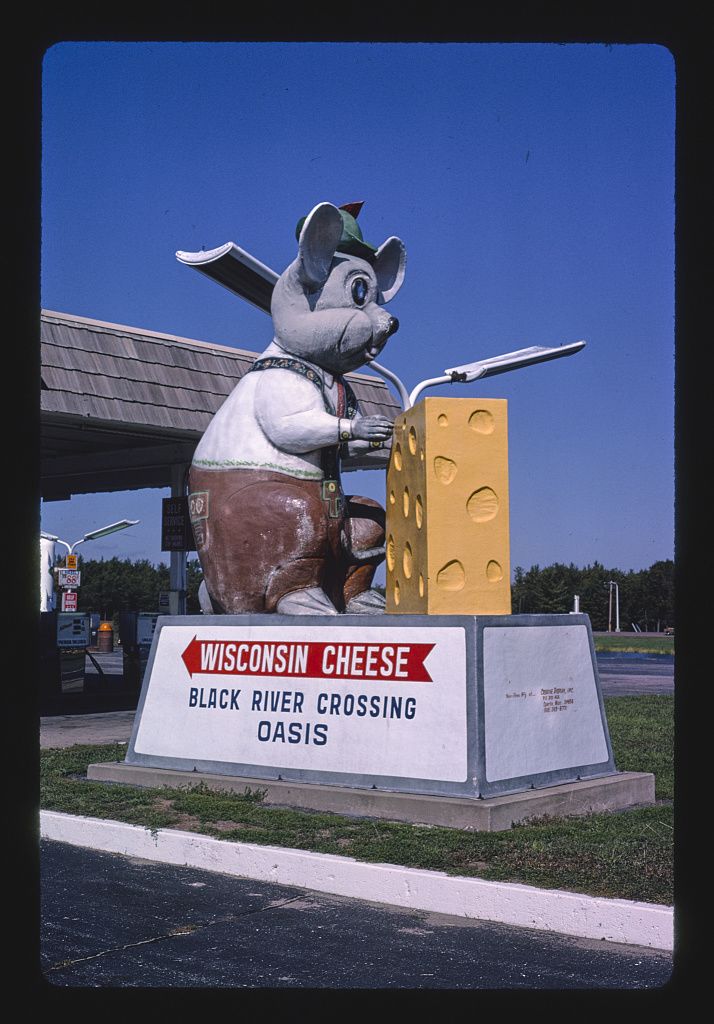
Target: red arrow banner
313,660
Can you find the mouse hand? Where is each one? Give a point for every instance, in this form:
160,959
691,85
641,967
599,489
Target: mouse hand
371,428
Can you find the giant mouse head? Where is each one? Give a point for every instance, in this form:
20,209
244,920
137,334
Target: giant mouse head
327,305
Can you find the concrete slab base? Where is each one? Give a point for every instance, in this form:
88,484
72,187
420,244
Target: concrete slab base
494,814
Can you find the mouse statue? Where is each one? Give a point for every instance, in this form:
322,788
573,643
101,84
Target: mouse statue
274,530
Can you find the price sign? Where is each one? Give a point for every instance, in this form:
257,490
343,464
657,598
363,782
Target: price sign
69,577
69,601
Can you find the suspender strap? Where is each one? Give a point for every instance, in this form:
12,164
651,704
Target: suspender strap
346,409
286,363
346,400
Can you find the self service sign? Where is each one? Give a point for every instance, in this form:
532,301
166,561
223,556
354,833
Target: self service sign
346,698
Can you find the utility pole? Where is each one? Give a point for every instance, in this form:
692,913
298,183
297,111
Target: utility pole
609,609
611,584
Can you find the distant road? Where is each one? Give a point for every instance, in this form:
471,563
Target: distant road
625,675
621,675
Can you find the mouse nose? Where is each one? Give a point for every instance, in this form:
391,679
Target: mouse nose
393,326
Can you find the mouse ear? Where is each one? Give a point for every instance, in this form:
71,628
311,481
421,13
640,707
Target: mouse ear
319,237
389,266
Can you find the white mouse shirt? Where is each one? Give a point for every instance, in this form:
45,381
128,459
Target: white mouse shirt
274,420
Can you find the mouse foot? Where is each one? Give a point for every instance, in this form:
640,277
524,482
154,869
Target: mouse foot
312,601
369,602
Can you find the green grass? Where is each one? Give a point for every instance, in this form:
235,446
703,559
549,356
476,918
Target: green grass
627,855
642,735
631,643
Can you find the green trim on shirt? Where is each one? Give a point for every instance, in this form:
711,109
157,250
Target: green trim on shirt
303,474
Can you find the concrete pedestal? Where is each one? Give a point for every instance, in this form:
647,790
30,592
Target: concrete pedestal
461,707
494,814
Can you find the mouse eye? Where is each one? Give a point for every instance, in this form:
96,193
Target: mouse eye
359,290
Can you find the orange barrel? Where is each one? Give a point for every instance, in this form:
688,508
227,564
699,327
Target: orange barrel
105,638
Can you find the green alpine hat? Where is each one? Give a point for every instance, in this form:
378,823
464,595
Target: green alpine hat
351,240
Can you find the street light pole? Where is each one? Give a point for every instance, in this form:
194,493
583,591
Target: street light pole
612,584
609,607
103,531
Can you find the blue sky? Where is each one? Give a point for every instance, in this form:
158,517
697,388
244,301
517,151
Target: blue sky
532,184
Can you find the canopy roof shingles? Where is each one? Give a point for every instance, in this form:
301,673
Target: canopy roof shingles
121,406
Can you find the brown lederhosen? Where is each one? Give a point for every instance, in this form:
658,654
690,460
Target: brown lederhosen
261,535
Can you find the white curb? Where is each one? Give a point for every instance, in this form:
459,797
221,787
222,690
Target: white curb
638,924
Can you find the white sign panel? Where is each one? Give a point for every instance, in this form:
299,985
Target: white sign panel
72,630
69,577
371,700
145,626
541,707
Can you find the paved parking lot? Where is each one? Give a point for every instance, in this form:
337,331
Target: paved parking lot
116,921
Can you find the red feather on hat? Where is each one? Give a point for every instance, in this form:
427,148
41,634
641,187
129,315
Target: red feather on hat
353,208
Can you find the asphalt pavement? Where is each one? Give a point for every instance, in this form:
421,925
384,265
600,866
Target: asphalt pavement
629,675
102,727
115,921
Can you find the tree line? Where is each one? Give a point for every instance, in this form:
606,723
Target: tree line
112,585
646,596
